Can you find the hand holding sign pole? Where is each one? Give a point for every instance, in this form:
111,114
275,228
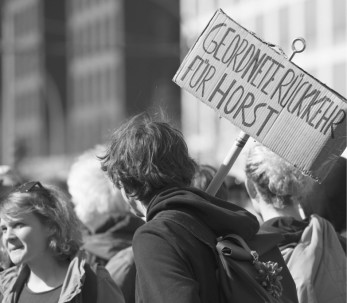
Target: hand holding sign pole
267,96
240,142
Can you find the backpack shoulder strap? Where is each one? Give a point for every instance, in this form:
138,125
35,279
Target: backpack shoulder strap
89,289
232,250
234,246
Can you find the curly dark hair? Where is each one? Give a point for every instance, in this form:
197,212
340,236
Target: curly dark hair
145,156
54,209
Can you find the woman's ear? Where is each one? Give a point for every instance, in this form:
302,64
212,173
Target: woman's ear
252,192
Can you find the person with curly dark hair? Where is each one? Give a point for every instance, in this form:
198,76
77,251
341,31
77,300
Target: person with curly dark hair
41,234
148,160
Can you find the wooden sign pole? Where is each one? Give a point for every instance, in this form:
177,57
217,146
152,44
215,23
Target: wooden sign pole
227,163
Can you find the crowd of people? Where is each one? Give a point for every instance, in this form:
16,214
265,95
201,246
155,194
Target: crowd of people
131,224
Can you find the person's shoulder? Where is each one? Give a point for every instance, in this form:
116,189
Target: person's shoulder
149,227
158,225
123,258
155,232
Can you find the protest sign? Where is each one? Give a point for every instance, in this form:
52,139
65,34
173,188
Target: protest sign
267,96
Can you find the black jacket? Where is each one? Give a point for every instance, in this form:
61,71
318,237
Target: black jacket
172,264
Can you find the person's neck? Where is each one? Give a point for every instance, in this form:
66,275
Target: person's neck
48,274
269,212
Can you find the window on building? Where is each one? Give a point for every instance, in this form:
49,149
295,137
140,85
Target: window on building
94,87
84,47
32,61
259,26
111,82
103,34
93,37
339,21
284,27
18,25
34,18
84,90
78,91
340,78
114,34
310,22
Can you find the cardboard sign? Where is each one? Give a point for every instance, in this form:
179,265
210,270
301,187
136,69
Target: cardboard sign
267,96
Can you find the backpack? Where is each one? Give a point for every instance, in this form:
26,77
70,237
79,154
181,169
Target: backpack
319,251
248,275
246,271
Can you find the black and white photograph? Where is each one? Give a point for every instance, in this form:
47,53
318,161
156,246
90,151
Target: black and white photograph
170,151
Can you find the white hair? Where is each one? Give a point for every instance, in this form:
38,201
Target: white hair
9,177
93,194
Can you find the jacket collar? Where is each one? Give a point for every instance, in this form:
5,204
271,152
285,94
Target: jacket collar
74,279
221,216
15,277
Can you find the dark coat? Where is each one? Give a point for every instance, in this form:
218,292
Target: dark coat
172,264
291,230
110,246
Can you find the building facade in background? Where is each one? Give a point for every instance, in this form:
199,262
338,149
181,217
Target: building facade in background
72,71
95,71
22,80
323,24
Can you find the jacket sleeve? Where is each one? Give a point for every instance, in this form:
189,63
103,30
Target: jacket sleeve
162,274
108,291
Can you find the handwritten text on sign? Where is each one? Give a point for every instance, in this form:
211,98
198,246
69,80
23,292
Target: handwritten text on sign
267,96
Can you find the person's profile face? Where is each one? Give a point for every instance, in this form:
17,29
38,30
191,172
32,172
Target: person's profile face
25,238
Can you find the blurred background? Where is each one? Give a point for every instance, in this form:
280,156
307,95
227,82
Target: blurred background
73,70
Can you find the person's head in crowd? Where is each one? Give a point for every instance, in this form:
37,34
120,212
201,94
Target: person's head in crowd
43,236
146,156
95,197
328,199
203,177
9,178
237,192
51,221
275,186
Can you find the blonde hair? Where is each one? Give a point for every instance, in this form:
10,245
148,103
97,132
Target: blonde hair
278,181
